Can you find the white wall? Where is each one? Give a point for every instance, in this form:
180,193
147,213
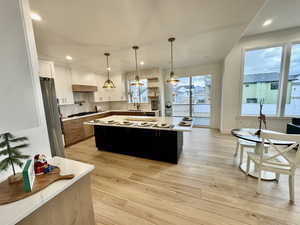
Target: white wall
38,136
80,76
232,78
213,69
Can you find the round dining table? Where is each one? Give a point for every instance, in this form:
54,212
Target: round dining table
248,134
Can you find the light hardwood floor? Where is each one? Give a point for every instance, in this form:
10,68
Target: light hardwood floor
205,188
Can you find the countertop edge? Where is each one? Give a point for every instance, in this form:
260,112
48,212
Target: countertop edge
107,111
67,184
137,127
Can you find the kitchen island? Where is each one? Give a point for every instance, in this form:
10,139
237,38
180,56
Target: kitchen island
157,138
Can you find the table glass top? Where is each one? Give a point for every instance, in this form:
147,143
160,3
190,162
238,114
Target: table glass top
248,134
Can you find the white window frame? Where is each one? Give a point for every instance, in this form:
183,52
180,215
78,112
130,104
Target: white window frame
129,89
283,79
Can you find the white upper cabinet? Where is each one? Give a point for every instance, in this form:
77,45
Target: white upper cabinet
83,78
102,95
63,85
46,69
118,93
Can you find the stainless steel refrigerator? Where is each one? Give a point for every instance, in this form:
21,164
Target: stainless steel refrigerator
53,117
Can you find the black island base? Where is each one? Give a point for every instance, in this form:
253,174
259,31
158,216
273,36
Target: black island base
161,145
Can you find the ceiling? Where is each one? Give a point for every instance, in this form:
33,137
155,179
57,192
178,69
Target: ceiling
284,13
205,30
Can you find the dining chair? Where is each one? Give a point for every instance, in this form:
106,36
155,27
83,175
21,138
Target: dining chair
240,145
276,161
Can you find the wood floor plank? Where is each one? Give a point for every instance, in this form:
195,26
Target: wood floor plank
206,187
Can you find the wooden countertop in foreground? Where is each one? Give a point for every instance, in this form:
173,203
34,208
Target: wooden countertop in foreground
12,213
136,124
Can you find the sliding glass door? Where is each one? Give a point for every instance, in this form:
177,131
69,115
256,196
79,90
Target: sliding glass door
181,97
191,97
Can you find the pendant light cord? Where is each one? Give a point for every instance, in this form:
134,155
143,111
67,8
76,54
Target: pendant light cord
107,66
172,58
136,66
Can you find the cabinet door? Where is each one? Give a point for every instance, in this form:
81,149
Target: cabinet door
82,77
102,94
73,131
46,69
63,85
119,93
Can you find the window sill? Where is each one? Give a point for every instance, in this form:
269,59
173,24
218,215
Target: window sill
268,117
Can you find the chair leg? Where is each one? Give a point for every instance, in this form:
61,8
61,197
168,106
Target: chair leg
241,155
237,148
258,191
291,188
277,177
248,165
266,149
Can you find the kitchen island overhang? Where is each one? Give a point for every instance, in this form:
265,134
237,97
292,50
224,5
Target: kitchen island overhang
135,139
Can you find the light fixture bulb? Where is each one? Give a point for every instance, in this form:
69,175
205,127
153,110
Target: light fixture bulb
68,57
108,68
35,16
172,80
267,22
137,83
142,63
109,84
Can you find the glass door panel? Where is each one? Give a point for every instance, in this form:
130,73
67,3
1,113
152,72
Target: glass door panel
201,99
181,97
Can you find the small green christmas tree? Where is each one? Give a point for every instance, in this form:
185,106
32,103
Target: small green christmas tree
9,147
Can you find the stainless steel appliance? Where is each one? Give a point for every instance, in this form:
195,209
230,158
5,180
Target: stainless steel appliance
53,118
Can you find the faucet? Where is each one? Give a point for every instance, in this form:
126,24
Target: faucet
137,105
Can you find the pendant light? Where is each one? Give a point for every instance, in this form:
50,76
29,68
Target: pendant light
136,81
172,79
108,83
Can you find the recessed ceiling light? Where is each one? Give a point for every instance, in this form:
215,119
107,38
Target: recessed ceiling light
267,22
36,17
142,63
69,57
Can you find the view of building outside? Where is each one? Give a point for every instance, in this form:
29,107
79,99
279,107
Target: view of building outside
262,72
199,87
262,69
133,92
292,107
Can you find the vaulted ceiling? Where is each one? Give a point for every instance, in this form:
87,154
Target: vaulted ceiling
205,30
284,14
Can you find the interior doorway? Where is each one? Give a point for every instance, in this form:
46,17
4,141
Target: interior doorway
192,97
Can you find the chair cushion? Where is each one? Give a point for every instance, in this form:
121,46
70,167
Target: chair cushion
292,128
296,121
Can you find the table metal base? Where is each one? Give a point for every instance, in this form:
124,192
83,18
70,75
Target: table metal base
265,175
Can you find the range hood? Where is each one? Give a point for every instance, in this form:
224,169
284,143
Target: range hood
84,88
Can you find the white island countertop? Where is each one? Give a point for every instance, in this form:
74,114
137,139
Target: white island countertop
110,111
118,122
12,213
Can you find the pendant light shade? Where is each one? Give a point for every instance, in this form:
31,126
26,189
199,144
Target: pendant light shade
108,83
172,79
136,81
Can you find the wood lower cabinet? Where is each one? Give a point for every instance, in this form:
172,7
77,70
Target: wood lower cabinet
75,130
